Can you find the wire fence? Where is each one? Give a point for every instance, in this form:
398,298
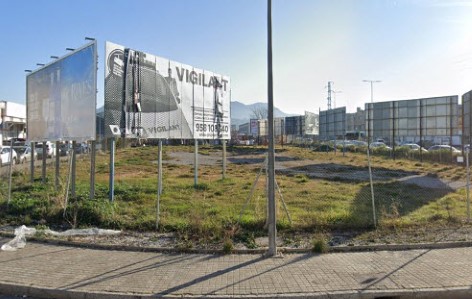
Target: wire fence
320,187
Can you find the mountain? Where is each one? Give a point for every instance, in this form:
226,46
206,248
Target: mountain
241,113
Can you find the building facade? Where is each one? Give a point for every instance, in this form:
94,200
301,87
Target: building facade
12,121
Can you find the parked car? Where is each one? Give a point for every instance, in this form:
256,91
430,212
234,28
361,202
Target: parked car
414,147
358,143
379,144
81,148
5,156
24,154
443,147
50,150
64,149
323,148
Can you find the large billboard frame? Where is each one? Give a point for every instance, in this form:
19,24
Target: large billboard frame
76,117
148,96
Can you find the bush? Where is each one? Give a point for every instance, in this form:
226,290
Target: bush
320,245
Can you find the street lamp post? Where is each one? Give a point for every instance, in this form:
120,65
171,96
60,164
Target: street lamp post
372,88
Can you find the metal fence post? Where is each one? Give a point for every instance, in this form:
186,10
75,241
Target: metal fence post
112,170
10,172
195,163
468,183
371,186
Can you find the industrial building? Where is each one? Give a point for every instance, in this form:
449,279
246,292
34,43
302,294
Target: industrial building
286,129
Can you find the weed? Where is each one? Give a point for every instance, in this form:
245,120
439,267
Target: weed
228,246
320,245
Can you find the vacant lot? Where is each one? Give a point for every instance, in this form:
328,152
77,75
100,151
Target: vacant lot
328,196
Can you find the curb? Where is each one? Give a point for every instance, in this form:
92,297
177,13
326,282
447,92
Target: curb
434,293
332,249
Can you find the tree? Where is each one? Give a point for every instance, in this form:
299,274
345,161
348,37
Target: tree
259,112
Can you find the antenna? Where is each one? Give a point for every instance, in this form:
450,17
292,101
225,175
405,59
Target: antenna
331,91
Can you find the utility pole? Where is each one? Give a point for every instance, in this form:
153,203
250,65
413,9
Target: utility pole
372,88
272,227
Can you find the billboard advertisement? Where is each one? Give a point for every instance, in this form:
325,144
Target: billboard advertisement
61,98
147,96
254,124
311,123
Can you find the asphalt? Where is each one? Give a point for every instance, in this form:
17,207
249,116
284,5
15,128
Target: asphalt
43,270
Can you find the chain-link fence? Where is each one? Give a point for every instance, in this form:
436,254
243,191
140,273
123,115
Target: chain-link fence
408,194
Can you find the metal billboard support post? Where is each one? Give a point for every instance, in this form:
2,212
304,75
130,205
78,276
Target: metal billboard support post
195,164
32,162
72,188
10,172
271,167
92,169
159,184
467,151
43,170
56,181
111,191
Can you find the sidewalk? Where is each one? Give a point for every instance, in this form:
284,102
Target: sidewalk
51,271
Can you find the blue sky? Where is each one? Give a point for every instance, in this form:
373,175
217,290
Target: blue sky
417,48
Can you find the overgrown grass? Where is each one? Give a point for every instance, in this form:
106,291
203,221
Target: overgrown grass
210,212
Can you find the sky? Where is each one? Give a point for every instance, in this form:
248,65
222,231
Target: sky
416,48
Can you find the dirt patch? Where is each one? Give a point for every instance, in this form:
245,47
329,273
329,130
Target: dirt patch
288,165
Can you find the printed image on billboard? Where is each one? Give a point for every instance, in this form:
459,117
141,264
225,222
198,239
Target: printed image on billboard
311,123
153,97
61,98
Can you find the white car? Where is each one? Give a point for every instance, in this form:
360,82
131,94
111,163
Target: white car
24,154
444,148
5,156
414,147
50,150
379,144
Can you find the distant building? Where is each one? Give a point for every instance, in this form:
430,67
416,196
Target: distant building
355,122
12,121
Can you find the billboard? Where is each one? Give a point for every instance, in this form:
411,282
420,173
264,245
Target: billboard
467,118
312,126
294,125
254,125
61,98
147,96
